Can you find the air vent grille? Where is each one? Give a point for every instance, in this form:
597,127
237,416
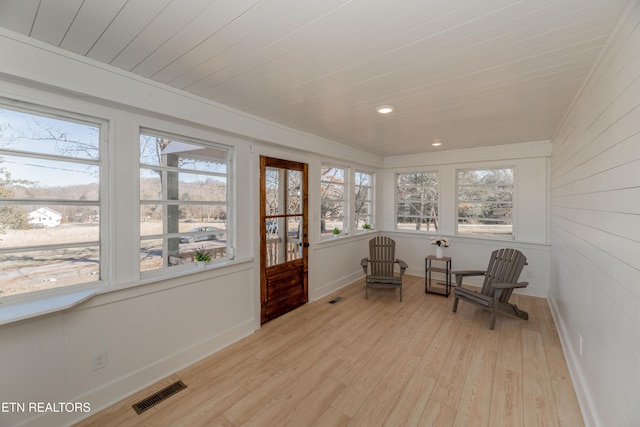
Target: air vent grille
335,300
158,397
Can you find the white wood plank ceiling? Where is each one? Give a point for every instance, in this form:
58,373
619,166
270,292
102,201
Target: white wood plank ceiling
469,72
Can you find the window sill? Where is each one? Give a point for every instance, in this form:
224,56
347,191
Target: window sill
13,312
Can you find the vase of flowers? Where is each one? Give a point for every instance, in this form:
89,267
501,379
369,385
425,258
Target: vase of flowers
440,243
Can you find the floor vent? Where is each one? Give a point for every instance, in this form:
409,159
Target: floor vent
158,397
335,300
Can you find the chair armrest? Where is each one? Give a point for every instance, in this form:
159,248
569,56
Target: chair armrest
460,274
402,264
469,272
364,262
510,285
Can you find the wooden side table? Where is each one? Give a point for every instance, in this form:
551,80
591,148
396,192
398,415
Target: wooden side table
440,288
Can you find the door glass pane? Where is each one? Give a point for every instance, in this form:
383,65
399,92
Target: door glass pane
275,241
273,184
294,232
294,192
283,215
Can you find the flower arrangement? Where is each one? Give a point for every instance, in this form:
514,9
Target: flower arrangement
201,254
440,241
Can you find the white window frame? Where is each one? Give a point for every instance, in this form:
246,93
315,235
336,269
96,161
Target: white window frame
436,219
188,267
513,205
103,181
346,218
371,200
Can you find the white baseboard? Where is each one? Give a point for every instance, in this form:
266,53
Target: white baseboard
582,393
335,285
116,390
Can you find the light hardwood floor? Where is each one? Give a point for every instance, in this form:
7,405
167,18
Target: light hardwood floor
375,362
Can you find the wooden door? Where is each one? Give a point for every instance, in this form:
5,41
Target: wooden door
283,236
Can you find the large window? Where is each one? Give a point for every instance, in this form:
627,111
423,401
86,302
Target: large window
363,183
50,200
332,200
184,207
417,201
485,202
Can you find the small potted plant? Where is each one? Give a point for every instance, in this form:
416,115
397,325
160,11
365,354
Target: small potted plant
201,256
366,226
336,231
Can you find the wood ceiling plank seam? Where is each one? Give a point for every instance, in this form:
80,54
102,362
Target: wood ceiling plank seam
438,108
126,25
234,73
286,70
200,43
53,20
471,75
172,19
460,104
272,94
270,49
214,53
92,20
19,16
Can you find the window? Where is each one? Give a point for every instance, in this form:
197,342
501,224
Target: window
485,202
333,200
183,200
417,201
364,200
51,182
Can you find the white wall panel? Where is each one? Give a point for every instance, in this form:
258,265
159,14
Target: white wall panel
595,203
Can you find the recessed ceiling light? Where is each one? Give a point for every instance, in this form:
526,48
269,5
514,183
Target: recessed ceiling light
436,142
385,109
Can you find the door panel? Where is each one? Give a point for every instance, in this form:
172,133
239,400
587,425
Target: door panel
283,236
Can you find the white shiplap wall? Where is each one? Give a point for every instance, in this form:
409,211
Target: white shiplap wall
595,232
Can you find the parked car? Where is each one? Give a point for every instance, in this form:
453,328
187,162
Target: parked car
212,233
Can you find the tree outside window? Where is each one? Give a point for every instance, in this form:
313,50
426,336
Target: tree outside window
183,200
363,183
417,201
50,199
485,202
332,200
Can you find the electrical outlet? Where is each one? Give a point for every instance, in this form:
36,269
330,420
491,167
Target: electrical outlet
580,344
99,360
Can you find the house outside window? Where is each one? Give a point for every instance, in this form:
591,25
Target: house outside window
52,182
333,200
485,202
417,196
363,185
184,201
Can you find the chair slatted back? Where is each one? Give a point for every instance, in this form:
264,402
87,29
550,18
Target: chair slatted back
382,255
505,266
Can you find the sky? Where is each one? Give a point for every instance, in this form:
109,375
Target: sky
38,134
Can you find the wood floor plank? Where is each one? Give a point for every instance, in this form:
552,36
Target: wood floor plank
331,417
375,361
284,401
314,405
411,402
507,408
450,383
478,387
384,396
437,414
538,398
